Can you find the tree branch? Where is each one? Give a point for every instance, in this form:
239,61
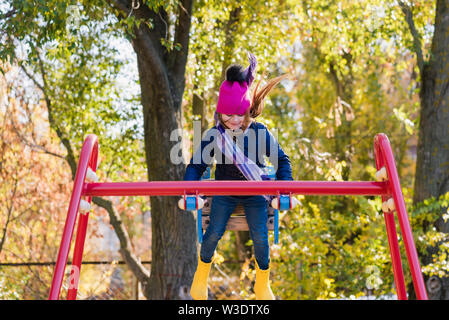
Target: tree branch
182,35
141,273
125,244
144,46
8,216
415,34
32,78
70,154
43,87
166,65
121,5
34,146
146,14
8,14
147,42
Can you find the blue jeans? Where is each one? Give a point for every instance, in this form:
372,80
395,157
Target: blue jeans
256,215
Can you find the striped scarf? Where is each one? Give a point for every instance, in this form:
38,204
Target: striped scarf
250,170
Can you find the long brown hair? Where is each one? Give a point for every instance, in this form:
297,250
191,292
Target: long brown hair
257,102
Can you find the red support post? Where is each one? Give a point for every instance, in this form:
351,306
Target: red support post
384,157
77,256
75,273
392,236
89,154
398,273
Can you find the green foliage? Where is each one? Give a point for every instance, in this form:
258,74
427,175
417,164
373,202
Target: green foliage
220,36
73,52
423,219
352,71
71,62
11,290
353,74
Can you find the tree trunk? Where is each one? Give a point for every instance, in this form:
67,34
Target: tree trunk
173,231
432,167
343,148
199,109
432,164
230,30
162,81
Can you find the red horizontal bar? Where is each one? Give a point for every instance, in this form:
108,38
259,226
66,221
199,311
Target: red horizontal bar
178,188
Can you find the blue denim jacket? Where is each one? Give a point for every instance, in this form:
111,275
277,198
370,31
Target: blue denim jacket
256,143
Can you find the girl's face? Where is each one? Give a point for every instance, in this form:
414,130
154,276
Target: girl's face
233,121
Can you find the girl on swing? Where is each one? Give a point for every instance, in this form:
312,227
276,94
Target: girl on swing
234,116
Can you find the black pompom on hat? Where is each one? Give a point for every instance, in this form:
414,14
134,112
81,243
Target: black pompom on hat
236,72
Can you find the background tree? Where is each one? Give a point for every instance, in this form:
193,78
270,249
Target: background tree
160,37
432,163
353,75
75,72
34,183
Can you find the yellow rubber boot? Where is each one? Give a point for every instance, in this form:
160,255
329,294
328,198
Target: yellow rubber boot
198,290
262,287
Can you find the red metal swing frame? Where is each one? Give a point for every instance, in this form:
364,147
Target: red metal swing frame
386,189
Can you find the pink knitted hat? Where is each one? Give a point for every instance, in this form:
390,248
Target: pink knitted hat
234,97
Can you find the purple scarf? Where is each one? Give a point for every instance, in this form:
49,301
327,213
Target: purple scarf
250,170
